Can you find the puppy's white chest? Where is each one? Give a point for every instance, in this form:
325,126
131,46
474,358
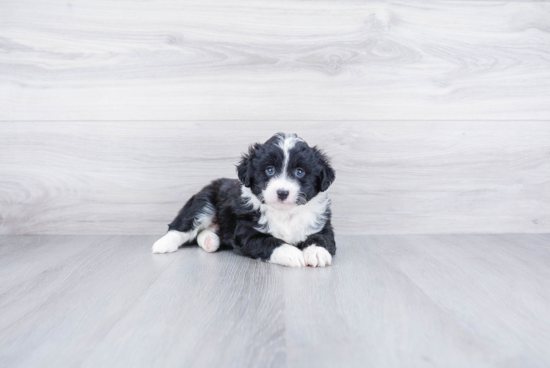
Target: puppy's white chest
293,227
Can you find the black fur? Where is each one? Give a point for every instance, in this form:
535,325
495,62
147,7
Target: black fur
237,220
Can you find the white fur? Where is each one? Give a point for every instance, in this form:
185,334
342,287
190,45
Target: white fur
316,256
170,242
287,255
208,240
293,225
286,143
173,239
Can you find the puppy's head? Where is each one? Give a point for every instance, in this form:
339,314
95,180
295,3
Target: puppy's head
285,172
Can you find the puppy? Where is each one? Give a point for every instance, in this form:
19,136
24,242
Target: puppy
278,210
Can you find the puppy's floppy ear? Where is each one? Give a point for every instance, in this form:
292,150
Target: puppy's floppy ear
327,175
244,169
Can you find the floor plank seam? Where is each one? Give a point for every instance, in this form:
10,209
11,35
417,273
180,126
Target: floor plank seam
52,297
127,310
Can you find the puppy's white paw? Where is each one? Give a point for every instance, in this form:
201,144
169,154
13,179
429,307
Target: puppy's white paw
208,240
316,256
168,243
287,255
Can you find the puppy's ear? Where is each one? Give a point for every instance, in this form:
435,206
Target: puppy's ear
244,169
327,175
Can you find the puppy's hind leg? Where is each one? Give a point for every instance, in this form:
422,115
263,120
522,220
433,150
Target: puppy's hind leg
196,215
209,240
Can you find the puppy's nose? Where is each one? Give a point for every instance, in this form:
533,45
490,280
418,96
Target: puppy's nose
282,194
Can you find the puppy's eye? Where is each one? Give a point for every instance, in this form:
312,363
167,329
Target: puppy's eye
270,170
299,172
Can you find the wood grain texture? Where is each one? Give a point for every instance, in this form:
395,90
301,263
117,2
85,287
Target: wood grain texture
424,300
222,311
392,177
261,60
34,256
519,272
388,300
70,306
366,313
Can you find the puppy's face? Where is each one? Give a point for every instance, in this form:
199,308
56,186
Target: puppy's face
285,172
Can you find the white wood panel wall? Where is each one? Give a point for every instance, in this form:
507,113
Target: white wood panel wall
392,177
437,113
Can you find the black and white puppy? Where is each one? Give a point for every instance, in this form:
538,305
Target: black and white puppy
277,211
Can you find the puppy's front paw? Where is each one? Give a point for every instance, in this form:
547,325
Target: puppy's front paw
316,256
167,244
287,255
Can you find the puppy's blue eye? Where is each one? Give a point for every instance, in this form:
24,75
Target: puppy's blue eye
270,171
299,173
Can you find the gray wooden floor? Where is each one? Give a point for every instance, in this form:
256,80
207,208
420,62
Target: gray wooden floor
388,300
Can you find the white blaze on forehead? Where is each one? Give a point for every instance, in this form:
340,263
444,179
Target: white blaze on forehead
286,143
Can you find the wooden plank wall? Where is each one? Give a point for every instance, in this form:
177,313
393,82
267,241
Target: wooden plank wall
436,113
